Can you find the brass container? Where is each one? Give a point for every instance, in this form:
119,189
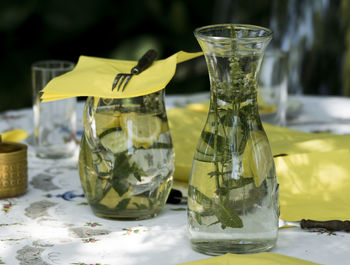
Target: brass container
13,169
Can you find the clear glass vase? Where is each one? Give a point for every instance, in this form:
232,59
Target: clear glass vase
126,160
233,191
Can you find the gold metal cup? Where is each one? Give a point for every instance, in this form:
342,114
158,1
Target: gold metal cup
13,169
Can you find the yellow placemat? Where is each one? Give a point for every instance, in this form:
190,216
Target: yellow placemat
314,177
315,185
185,127
94,77
265,258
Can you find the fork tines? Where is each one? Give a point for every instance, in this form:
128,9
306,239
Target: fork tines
121,78
142,64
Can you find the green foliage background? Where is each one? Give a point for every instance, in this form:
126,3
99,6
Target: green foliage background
33,30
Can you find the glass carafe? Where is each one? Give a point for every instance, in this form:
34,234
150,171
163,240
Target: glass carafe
126,160
233,191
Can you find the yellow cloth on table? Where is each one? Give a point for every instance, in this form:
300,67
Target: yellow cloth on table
94,77
265,258
314,177
16,135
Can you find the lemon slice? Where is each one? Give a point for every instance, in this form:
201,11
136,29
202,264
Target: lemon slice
143,129
106,120
16,135
257,158
263,107
114,140
267,109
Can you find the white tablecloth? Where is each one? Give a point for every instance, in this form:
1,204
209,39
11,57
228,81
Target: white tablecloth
52,223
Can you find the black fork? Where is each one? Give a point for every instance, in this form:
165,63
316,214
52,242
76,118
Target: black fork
145,62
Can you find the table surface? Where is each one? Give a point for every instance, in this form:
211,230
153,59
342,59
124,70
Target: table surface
52,223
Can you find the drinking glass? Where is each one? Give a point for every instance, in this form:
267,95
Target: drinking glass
273,92
54,122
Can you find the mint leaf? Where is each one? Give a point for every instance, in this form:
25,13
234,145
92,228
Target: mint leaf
227,217
140,206
122,171
138,172
120,185
123,204
122,167
178,209
200,198
198,218
209,139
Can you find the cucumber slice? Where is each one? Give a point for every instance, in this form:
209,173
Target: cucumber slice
114,140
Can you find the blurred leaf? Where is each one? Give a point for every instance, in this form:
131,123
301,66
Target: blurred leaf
13,13
133,49
70,16
179,17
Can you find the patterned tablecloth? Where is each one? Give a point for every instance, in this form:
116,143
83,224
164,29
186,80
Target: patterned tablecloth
53,224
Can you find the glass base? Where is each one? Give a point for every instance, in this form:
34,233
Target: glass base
221,247
54,156
55,153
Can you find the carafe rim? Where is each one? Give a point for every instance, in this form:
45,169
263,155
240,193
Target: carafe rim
206,33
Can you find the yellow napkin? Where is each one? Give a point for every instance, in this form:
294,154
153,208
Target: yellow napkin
94,77
16,135
314,177
265,258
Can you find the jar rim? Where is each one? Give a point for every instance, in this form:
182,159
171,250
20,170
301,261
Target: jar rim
210,32
53,65
19,150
